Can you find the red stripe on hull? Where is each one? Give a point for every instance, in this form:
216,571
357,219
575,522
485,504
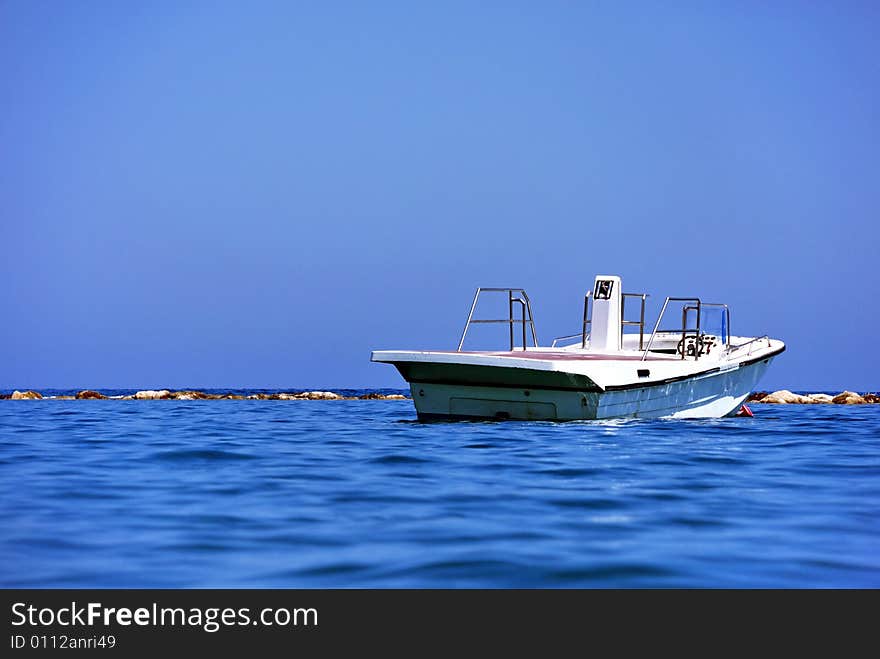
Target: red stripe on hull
561,356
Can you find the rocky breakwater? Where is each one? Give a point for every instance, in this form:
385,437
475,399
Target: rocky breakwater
88,394
167,394
25,395
786,397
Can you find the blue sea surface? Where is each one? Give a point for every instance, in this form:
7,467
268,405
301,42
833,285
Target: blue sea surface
357,493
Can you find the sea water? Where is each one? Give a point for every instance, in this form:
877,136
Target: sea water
230,493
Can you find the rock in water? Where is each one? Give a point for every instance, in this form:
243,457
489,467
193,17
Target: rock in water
151,394
193,395
848,398
823,399
321,395
785,397
375,396
90,394
756,396
26,395
309,395
871,398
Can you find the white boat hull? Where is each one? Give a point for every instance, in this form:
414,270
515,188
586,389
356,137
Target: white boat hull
604,372
711,395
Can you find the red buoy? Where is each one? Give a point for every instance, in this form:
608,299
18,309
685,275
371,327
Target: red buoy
745,411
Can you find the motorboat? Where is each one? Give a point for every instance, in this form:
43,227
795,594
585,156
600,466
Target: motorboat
612,368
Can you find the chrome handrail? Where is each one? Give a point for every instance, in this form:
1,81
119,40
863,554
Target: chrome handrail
623,322
563,338
718,305
733,348
640,322
525,304
684,329
588,320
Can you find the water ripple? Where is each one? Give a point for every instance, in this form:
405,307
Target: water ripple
200,454
330,494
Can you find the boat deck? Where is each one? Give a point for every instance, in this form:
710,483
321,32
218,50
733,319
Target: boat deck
558,355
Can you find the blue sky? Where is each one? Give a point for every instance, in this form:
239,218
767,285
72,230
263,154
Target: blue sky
258,194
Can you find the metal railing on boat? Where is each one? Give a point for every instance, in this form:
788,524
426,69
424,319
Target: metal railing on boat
521,299
694,341
696,348
640,323
750,343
